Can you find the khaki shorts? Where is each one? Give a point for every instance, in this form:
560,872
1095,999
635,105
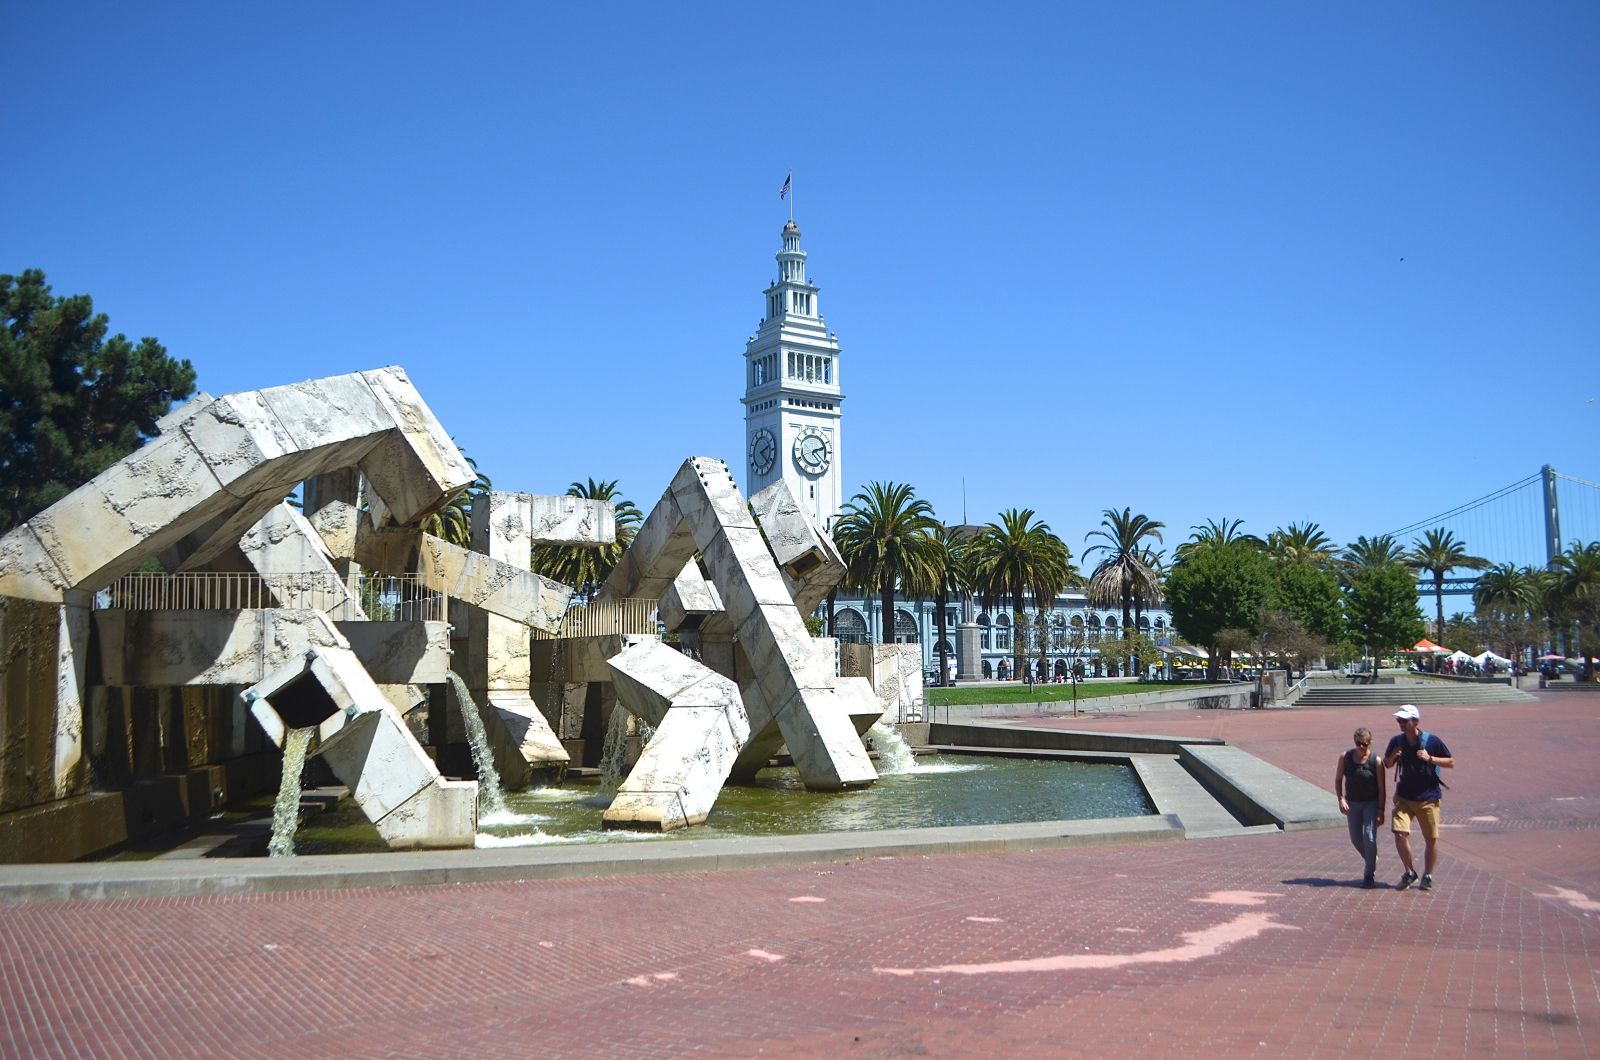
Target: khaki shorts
1426,813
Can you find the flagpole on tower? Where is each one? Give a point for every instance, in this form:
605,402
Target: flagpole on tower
787,192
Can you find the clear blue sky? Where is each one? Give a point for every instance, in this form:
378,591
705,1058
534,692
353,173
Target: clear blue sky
1278,262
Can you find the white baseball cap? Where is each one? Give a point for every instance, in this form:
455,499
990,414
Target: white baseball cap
1408,713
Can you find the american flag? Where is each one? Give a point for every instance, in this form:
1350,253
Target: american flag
783,192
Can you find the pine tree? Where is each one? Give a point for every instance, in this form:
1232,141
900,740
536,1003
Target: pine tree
72,402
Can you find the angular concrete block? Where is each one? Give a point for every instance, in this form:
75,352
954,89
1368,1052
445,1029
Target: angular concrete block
416,469
807,556
657,555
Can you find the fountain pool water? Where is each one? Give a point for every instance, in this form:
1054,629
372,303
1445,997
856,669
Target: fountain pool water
939,790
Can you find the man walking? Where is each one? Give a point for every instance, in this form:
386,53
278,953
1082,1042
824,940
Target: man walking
1417,792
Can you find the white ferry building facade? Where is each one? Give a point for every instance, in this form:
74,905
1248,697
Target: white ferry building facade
793,404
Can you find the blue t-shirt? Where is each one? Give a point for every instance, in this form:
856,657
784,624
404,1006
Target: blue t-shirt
1419,780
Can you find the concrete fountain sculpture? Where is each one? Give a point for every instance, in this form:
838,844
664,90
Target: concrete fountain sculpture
206,500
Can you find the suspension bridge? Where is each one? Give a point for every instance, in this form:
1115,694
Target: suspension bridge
1527,523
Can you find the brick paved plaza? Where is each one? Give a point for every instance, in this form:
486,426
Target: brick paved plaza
1257,945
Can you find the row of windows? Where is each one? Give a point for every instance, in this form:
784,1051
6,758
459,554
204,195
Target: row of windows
763,369
811,367
798,302
798,404
850,626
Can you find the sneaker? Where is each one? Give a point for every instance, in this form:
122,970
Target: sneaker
1427,882
1368,883
1406,881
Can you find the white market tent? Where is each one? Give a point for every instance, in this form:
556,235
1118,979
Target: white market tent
1490,656
1459,656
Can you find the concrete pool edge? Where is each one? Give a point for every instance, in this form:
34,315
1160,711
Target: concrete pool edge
80,881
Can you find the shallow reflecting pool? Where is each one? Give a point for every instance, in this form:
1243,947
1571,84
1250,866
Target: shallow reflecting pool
941,790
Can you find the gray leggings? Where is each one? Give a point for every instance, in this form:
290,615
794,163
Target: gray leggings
1363,822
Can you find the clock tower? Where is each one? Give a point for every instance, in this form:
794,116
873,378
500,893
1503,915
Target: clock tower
791,392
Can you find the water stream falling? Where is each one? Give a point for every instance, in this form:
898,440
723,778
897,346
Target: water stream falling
614,751
491,799
286,808
894,754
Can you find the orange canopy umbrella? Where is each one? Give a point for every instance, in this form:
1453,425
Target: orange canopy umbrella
1428,647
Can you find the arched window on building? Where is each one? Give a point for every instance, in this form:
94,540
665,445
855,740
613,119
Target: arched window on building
1144,623
987,636
849,626
1058,631
1002,633
988,671
943,646
905,627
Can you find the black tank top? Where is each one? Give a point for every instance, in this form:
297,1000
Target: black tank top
1360,778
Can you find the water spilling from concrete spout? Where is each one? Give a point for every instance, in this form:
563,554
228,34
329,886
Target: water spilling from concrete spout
894,754
491,797
613,754
286,808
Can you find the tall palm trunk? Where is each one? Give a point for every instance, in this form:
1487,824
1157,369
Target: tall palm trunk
886,594
1018,631
1438,605
941,600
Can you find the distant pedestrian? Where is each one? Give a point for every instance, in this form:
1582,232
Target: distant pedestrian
1417,792
1358,783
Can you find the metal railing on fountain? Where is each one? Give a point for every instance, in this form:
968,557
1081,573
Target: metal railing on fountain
382,597
606,618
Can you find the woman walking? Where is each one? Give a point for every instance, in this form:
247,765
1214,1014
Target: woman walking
1358,782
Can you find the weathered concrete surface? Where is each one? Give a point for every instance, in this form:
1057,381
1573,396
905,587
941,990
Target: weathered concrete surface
809,560
498,671
156,649
43,653
226,466
367,744
1259,792
704,511
700,724
496,586
895,671
288,552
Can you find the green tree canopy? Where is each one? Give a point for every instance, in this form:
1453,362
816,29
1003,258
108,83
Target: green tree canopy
1221,586
72,402
1310,593
1381,608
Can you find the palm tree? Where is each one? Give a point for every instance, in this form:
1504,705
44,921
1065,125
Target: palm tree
886,536
1125,571
1438,551
1214,532
952,574
1297,543
1015,557
1511,597
1577,591
1367,554
586,567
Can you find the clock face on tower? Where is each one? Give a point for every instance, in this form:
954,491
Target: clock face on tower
812,451
763,451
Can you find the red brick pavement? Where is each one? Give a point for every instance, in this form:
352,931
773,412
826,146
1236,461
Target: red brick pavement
1255,945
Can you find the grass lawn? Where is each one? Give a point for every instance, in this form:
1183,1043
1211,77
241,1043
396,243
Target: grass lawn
1021,693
